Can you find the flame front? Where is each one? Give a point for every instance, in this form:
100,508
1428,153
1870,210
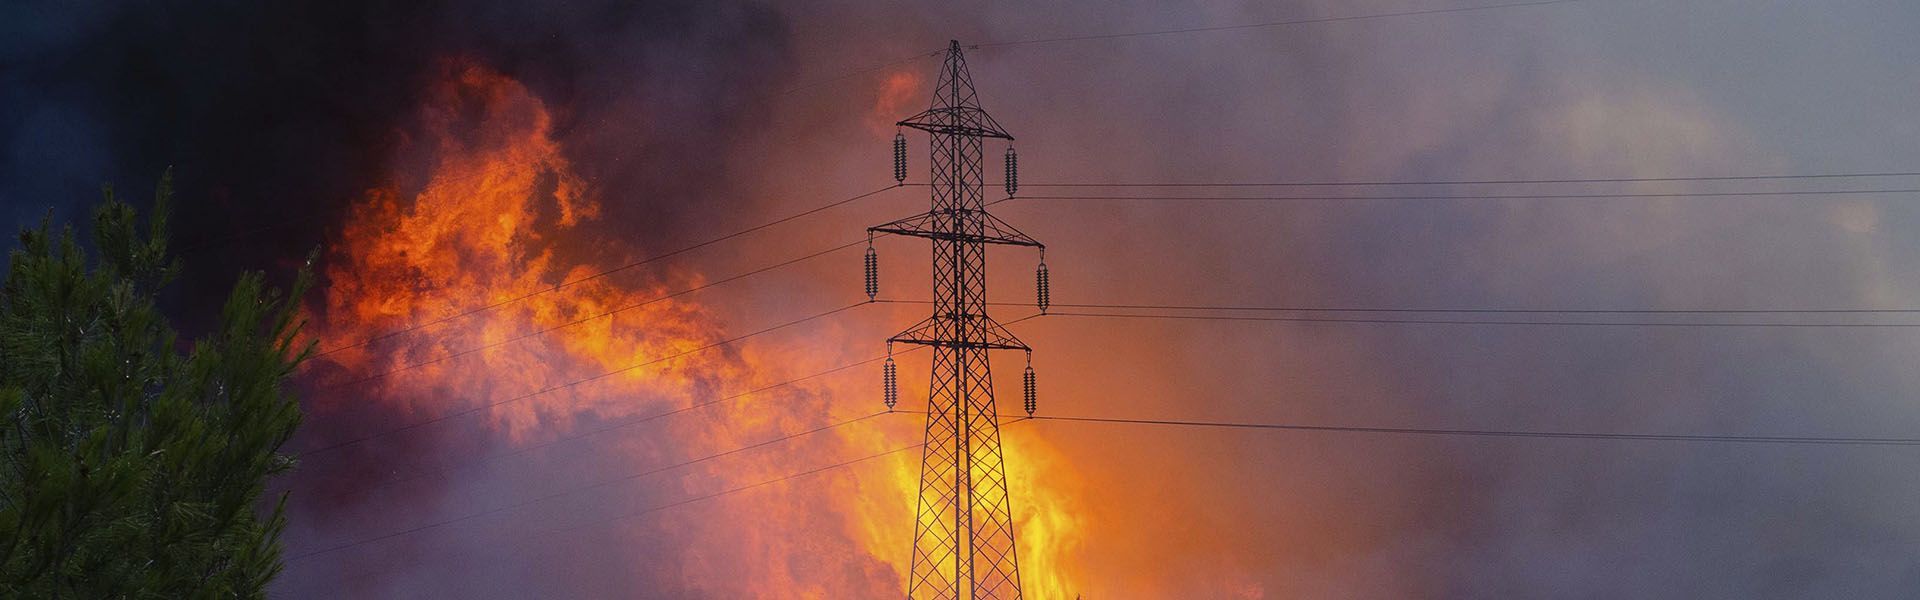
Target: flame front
487,232
486,228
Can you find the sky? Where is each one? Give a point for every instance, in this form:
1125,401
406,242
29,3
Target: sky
618,131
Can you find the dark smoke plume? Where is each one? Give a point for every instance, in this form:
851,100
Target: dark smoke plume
277,116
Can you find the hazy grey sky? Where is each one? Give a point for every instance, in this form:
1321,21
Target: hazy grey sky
1585,89
676,114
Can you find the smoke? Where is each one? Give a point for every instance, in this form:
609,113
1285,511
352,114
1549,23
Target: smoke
276,117
677,115
1599,90
279,119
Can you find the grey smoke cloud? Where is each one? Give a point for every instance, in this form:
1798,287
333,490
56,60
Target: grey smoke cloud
1624,88
1595,89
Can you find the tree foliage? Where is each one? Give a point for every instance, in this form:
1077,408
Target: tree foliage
132,468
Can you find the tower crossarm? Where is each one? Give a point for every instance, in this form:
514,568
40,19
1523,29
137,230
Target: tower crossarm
989,334
932,225
957,120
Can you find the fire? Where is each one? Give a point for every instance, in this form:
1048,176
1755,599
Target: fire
487,209
487,227
1048,516
1048,508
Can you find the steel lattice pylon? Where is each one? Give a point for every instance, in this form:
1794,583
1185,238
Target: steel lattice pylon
963,545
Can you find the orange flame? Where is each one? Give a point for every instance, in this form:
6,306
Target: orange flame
484,229
491,223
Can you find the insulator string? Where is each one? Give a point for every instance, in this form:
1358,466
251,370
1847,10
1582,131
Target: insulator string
1043,297
899,158
1013,172
872,270
1029,387
889,381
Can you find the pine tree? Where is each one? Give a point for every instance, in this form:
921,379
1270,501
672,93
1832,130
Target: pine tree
134,467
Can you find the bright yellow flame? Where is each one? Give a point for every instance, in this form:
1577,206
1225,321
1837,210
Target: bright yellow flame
488,224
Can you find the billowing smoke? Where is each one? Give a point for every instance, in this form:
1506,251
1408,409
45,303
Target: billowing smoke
1579,89
674,122
331,125
275,118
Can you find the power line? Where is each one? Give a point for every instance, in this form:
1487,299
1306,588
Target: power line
615,310
554,388
604,314
1491,196
842,464
608,313
594,317
597,316
1797,440
708,458
1248,425
629,422
596,485
846,463
1252,425
1507,433
1439,182
705,497
603,273
1341,309
1580,311
1531,323
637,420
1196,307
1504,433
1110,36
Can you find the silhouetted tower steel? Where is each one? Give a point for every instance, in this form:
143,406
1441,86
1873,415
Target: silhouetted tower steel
963,542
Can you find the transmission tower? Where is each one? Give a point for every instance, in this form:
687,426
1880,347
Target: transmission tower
963,542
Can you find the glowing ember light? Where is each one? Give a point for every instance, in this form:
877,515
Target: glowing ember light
496,212
485,227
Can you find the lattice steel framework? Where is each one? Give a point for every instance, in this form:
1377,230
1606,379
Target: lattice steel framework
963,546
